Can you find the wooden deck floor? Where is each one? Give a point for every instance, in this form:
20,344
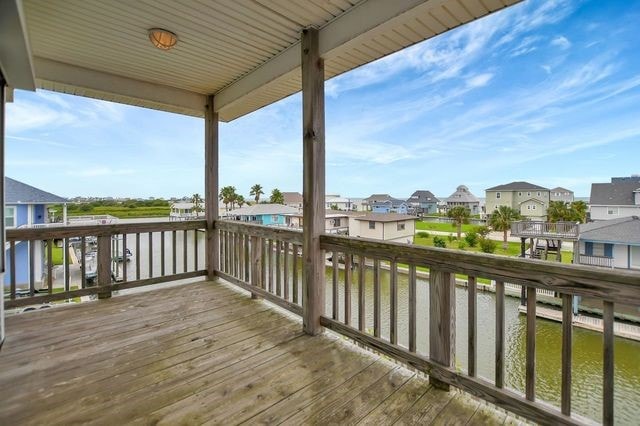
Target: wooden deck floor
204,353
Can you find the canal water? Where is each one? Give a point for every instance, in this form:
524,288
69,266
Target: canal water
587,346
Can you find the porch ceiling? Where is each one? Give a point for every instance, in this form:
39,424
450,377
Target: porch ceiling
245,52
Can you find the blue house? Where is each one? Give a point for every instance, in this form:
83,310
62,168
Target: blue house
423,202
392,205
26,205
262,214
613,243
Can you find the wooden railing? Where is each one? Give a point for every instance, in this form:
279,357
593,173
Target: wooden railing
159,252
602,261
555,230
264,260
362,257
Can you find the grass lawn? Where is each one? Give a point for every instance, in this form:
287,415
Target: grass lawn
56,253
442,227
125,212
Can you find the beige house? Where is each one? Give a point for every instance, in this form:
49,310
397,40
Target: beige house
395,227
336,222
292,199
561,194
529,199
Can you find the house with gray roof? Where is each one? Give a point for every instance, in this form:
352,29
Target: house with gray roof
385,203
616,199
394,227
611,243
26,205
561,194
463,197
530,200
262,214
423,202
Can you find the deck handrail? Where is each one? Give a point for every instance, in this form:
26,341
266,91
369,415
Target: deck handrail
103,275
592,260
533,229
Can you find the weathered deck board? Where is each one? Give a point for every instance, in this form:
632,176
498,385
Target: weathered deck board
203,354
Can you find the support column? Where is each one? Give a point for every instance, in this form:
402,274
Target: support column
3,86
313,152
211,186
442,321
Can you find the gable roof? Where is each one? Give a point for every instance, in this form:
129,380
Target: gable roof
391,201
532,199
515,186
17,192
385,217
378,197
623,230
262,209
616,193
462,195
422,196
561,189
292,197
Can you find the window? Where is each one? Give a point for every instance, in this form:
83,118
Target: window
372,225
497,195
274,218
539,193
598,249
533,207
612,211
10,217
400,226
528,207
528,194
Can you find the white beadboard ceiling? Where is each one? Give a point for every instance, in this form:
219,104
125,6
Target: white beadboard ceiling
246,52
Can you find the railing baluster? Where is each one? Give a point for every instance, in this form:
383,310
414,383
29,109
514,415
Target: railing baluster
608,366
376,298
236,255
256,259
247,260
150,275
185,255
162,256
65,260
348,276
138,255
83,261
294,258
412,308
530,379
278,267
32,269
472,325
263,263
270,269
393,296
567,351
285,273
361,292
195,249
334,287
50,266
499,353
174,258
124,258
12,262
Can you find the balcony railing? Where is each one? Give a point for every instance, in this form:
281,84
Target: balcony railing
602,261
267,262
170,251
553,230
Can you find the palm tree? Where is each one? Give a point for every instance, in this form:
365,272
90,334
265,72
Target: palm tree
459,215
196,199
276,197
578,210
501,220
240,200
558,211
256,192
227,196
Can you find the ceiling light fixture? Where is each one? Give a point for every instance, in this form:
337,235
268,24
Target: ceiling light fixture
162,39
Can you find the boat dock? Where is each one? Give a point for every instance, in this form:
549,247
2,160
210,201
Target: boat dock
620,329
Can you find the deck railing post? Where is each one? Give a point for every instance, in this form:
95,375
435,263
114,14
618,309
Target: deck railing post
442,321
211,187
313,150
104,266
256,263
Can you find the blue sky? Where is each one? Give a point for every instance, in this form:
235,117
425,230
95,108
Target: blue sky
545,91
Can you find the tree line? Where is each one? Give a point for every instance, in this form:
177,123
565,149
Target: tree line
231,199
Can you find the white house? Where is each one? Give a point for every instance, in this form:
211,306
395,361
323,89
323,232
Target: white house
611,243
619,198
393,227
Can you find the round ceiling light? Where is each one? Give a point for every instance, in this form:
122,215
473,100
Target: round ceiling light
162,39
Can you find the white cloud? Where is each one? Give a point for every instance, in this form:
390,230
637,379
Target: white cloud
479,80
561,42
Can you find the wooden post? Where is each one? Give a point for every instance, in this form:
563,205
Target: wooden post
3,239
211,187
313,152
559,254
442,321
256,263
104,266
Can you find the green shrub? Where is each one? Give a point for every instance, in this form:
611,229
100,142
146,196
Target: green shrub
439,242
471,238
452,238
423,234
461,245
487,246
483,231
